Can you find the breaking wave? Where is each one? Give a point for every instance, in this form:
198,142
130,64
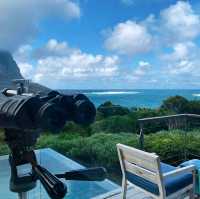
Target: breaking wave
196,94
113,93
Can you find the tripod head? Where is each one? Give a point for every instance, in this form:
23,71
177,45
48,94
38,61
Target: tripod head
24,116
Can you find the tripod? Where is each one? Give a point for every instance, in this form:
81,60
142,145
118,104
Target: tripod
22,154
23,195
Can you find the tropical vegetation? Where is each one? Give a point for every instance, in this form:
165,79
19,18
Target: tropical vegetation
95,145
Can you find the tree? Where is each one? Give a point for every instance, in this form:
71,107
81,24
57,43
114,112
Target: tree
108,109
176,104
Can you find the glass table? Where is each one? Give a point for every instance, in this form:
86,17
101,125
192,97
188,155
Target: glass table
55,163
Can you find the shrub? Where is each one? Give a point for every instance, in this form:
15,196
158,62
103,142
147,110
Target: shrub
172,145
108,109
71,127
114,124
3,149
169,145
1,136
146,113
129,122
98,149
194,107
193,142
176,104
60,143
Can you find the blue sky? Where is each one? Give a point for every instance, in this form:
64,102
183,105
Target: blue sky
104,44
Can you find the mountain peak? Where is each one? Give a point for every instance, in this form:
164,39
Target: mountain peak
9,70
8,67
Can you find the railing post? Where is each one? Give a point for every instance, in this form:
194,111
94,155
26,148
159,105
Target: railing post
186,117
141,137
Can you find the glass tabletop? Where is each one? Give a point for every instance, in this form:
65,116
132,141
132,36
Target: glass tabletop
55,163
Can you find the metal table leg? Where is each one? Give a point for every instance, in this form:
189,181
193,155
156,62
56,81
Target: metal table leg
23,195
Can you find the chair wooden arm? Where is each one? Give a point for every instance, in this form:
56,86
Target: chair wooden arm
182,170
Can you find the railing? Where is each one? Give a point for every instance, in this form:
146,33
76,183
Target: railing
180,121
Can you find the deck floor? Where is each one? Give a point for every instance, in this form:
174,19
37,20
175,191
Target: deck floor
132,193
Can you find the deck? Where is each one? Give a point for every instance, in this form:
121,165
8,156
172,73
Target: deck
132,193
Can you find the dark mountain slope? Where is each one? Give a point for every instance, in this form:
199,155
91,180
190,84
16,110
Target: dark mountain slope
9,71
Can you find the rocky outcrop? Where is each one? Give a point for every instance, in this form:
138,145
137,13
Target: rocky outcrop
9,71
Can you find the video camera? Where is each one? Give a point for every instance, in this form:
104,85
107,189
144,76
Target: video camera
24,116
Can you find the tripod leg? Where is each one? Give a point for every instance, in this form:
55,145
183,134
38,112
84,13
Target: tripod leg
23,195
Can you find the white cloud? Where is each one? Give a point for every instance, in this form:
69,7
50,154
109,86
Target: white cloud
26,70
182,65
143,68
77,65
180,22
140,72
175,31
23,53
180,51
20,19
55,66
50,49
129,38
53,48
175,52
172,33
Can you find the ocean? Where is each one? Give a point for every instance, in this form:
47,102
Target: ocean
136,98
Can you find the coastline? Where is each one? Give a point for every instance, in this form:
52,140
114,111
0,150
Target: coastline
148,98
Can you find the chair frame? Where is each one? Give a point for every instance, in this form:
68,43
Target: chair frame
147,166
